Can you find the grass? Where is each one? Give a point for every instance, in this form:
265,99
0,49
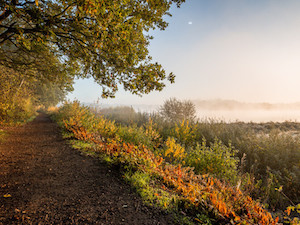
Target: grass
156,158
267,154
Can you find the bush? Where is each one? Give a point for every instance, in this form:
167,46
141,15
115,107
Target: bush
174,110
135,135
174,153
216,159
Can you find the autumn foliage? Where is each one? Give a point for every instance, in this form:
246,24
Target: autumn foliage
202,193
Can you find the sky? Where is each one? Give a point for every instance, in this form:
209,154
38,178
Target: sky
244,50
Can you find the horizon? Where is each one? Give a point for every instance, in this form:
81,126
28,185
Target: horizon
201,101
227,110
245,51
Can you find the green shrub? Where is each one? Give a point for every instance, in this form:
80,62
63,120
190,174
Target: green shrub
216,159
134,135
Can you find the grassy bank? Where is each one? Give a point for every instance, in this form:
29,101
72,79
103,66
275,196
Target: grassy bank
203,180
262,158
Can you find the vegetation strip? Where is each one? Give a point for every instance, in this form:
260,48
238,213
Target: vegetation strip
201,193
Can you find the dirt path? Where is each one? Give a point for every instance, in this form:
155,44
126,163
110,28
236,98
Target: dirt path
50,183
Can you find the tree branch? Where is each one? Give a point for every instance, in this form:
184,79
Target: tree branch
6,38
62,12
6,13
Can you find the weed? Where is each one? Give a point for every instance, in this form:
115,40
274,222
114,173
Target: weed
168,185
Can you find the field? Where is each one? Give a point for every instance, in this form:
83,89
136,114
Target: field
208,172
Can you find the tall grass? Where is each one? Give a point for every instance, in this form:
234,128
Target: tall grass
171,165
260,158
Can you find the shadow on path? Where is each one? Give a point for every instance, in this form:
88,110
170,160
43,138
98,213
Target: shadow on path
50,183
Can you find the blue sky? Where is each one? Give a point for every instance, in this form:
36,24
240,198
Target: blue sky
245,50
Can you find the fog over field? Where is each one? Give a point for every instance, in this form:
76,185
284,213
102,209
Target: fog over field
246,51
232,111
255,115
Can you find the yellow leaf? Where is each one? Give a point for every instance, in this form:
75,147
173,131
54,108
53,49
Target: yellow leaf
237,218
7,196
37,2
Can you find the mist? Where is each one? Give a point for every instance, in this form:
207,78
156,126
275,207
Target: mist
248,51
232,111
229,110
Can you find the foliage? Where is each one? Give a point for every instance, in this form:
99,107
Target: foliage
145,186
107,40
295,220
216,159
185,133
124,115
146,136
268,154
71,114
175,110
270,158
44,45
195,193
174,152
273,159
22,93
15,101
134,135
49,94
52,109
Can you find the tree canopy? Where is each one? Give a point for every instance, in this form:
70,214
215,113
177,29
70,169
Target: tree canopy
105,39
21,92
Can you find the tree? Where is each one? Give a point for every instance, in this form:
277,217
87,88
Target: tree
37,63
49,94
175,110
105,39
21,92
15,95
